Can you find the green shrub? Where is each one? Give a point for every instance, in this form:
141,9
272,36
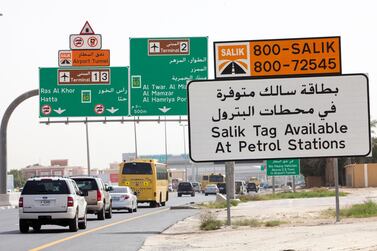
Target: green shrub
216,204
234,203
250,197
273,223
208,221
247,222
367,209
317,192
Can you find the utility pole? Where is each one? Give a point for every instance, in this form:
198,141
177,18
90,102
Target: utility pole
184,149
87,147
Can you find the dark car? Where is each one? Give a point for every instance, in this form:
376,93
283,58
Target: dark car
222,187
252,187
185,188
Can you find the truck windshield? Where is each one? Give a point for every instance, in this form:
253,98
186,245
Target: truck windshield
216,178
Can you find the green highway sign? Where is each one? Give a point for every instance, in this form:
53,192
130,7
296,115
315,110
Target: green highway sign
160,70
83,92
285,167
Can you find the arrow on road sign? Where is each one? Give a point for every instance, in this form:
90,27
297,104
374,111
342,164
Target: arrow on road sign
164,109
112,110
59,110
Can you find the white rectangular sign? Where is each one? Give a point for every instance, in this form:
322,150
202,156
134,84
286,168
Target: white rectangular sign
279,118
85,42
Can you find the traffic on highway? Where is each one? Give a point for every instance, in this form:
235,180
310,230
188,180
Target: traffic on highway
197,131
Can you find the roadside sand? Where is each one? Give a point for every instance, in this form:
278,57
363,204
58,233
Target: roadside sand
306,228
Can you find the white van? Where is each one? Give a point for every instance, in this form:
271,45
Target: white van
240,187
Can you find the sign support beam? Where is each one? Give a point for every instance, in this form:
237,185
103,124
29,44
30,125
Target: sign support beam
3,136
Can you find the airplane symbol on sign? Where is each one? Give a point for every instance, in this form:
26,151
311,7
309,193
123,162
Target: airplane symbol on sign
64,77
154,46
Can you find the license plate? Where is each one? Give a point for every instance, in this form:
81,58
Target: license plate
116,199
45,203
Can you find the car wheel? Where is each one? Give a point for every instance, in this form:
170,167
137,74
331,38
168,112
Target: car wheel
74,224
163,204
101,213
206,194
193,194
24,227
36,227
179,195
82,224
109,214
135,209
130,210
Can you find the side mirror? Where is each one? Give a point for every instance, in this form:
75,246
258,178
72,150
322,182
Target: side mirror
135,193
109,188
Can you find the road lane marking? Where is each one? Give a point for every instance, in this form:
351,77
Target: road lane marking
50,244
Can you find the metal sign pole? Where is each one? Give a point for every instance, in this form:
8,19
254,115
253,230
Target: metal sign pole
229,168
87,147
184,149
135,140
166,146
294,184
273,185
336,177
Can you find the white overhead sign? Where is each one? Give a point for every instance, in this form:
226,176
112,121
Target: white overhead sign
279,118
85,42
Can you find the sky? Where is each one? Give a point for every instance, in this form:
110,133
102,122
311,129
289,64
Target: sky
32,32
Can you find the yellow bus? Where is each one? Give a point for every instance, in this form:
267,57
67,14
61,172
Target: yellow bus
148,178
211,179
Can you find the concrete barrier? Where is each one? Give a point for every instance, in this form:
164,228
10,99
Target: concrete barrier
4,200
220,197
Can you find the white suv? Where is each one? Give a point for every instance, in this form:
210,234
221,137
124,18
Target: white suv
51,201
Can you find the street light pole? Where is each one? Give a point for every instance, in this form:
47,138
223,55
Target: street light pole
135,139
87,147
184,149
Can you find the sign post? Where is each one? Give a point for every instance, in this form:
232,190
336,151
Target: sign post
279,118
336,177
160,70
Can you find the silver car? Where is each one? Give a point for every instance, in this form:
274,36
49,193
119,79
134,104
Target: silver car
124,198
211,189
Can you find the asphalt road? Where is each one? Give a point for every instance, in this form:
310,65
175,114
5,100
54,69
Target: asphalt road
124,231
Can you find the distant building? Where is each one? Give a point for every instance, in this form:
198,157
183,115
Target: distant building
110,175
361,175
56,168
